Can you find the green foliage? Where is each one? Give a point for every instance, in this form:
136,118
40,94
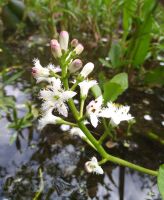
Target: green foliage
20,123
160,180
6,102
9,80
115,87
129,10
9,105
115,54
17,123
41,186
155,76
3,2
141,42
96,90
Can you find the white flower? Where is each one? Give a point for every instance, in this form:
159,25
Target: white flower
55,97
40,73
118,113
65,127
147,117
48,118
94,109
53,69
85,86
87,69
93,166
77,131
63,40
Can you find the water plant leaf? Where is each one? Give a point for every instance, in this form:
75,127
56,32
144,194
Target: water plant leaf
160,180
155,76
147,8
13,78
129,9
96,90
41,186
115,87
13,137
142,42
6,102
115,54
9,18
105,63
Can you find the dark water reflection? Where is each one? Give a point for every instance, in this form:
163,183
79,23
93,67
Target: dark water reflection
62,159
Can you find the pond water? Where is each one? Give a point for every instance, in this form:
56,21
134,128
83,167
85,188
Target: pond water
61,158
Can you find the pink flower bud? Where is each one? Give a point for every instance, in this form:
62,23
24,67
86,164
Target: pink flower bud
34,71
55,48
63,40
75,65
74,43
79,48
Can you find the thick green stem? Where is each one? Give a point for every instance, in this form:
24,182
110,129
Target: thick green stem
99,148
125,163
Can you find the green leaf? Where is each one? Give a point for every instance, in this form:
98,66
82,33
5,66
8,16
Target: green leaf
142,42
13,78
147,7
115,87
105,63
115,54
13,138
160,180
155,76
9,18
96,90
129,9
6,102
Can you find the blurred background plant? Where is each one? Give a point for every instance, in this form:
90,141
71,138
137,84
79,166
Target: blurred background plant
128,33
125,36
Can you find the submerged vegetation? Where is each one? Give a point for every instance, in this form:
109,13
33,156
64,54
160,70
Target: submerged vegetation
125,41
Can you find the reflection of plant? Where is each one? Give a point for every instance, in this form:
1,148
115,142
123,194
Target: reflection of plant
9,105
53,97
19,123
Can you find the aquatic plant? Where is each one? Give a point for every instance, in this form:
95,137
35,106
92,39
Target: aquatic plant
63,84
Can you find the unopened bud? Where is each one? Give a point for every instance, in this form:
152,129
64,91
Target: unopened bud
55,48
63,40
79,48
87,69
75,65
74,43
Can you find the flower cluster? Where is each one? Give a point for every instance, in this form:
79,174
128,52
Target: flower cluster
115,112
61,84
